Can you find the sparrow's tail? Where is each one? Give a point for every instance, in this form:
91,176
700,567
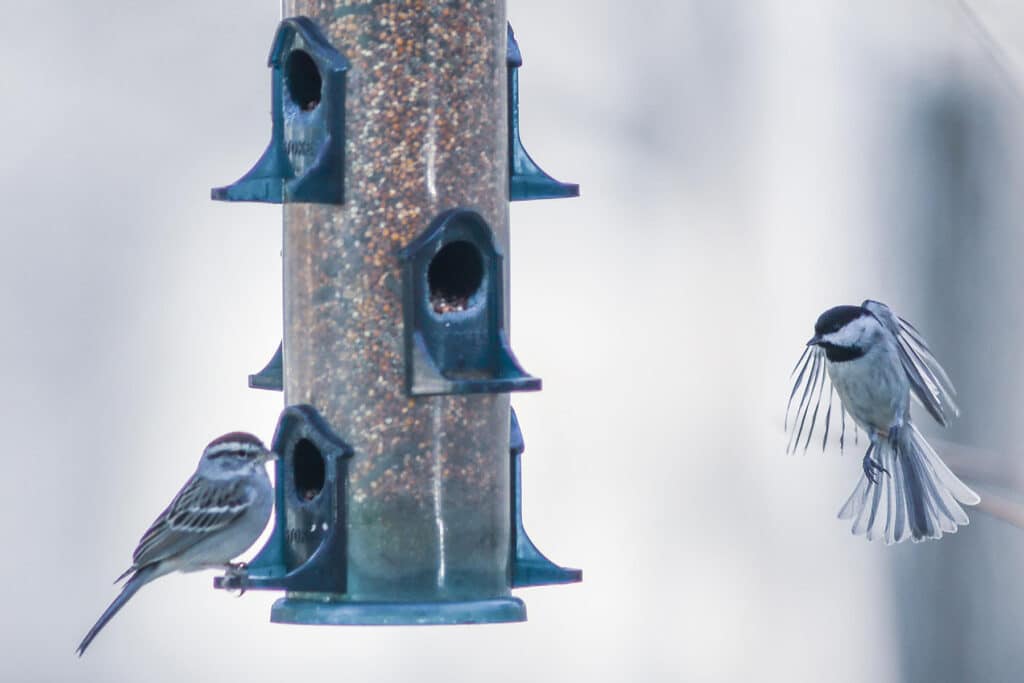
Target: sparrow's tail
912,495
137,581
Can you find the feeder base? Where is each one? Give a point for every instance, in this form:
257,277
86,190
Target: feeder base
299,610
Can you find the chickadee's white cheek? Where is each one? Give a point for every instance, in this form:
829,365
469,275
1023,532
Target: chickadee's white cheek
850,334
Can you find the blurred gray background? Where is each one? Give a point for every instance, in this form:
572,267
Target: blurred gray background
744,165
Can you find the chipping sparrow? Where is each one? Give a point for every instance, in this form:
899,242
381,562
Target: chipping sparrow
218,514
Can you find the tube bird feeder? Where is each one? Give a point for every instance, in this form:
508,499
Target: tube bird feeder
394,151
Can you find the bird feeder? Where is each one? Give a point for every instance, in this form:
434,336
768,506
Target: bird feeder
395,152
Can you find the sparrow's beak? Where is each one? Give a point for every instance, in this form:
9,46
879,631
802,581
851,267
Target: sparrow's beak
269,456
814,341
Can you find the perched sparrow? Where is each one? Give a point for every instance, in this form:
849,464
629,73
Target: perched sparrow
217,515
876,361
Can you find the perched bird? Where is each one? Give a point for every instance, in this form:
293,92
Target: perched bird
217,515
876,361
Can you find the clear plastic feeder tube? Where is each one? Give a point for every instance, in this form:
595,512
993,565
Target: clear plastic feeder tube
428,489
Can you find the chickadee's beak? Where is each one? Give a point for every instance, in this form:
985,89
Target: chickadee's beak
814,341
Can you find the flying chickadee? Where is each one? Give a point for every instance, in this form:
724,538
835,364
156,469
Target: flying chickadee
217,515
875,361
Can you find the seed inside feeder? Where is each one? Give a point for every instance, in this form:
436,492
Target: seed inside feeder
448,304
454,276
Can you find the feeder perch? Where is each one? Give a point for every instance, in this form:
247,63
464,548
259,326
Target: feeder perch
527,180
271,377
529,565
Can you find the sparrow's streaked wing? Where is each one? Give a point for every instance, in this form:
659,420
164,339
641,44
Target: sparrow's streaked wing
202,507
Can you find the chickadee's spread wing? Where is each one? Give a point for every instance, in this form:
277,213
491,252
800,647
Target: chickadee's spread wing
929,383
811,378
202,507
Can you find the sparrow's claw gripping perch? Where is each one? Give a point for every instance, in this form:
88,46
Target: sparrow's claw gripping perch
236,575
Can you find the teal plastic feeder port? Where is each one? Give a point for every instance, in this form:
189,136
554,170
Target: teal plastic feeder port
399,488
305,160
307,550
453,304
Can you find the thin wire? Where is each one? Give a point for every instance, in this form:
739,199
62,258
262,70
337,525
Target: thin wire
1001,507
996,52
982,465
986,471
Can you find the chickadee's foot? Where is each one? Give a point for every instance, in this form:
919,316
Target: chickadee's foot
236,575
872,469
894,436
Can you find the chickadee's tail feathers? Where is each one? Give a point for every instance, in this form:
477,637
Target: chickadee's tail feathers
915,497
137,581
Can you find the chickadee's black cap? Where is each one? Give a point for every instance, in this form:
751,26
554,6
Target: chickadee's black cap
835,318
